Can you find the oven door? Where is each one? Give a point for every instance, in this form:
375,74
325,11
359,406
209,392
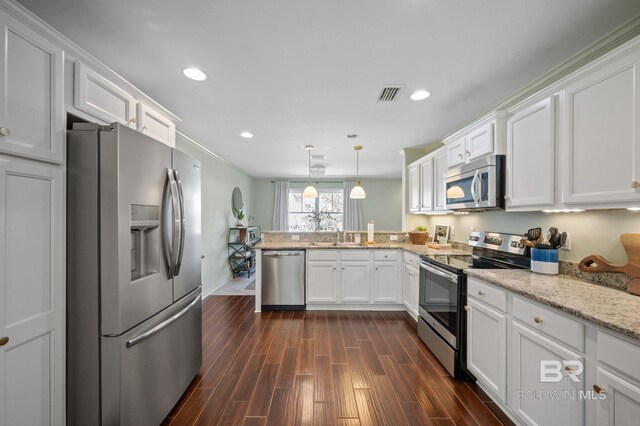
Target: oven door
438,301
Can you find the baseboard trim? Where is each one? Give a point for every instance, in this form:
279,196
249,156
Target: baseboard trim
362,307
210,291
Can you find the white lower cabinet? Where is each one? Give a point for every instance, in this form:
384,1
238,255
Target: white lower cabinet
385,282
410,284
620,399
543,403
354,282
322,282
32,344
353,276
487,346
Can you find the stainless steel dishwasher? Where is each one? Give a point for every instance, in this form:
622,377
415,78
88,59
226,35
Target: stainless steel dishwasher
283,280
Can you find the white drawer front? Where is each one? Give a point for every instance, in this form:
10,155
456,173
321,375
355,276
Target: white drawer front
558,326
411,259
488,294
385,255
322,254
621,355
352,254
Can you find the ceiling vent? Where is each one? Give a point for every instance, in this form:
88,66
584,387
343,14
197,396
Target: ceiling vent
389,93
317,170
318,157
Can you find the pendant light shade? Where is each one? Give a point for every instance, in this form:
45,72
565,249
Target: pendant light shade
310,191
357,192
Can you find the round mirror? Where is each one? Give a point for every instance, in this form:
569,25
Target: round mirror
236,199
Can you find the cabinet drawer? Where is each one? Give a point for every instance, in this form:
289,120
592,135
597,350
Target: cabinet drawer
487,294
322,254
385,255
354,255
411,259
621,355
555,325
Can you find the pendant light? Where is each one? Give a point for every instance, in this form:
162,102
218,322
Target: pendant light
357,192
310,191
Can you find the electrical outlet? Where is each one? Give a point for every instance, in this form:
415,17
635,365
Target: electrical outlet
452,230
295,237
393,238
567,244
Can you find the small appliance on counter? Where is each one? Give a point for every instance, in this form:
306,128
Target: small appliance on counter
443,293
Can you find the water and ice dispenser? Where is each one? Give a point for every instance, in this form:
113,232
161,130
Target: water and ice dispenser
145,222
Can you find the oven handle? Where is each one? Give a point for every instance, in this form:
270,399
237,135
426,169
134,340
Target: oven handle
474,184
444,274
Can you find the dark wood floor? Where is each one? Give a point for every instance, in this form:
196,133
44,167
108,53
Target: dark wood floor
323,368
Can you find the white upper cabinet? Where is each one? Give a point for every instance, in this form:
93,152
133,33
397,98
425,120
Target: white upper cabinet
426,185
31,81
414,188
480,142
600,138
426,182
483,137
456,152
156,125
439,188
102,99
531,156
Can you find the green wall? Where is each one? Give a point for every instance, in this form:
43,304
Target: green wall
218,180
383,203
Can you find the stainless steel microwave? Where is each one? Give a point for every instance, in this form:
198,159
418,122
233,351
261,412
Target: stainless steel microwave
477,185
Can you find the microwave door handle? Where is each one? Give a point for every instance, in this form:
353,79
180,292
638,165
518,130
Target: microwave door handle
473,187
479,193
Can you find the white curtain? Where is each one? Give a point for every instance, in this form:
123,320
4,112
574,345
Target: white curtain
352,213
281,207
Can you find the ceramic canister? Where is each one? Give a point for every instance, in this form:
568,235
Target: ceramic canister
544,261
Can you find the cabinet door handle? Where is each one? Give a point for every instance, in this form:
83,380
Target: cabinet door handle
5,131
468,153
376,268
466,308
480,293
334,268
635,184
144,127
461,156
537,320
343,268
599,390
4,340
132,120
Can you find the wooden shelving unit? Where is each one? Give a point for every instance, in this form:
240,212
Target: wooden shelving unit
242,253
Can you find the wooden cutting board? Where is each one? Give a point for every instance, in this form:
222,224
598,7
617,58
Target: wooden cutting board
631,244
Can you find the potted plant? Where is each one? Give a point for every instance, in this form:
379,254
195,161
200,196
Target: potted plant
419,236
239,215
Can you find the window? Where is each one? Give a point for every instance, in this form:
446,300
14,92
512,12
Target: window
312,214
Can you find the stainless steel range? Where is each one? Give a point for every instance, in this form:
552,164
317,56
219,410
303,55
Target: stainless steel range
443,293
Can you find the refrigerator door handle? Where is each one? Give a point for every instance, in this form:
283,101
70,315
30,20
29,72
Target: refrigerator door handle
172,254
183,227
155,330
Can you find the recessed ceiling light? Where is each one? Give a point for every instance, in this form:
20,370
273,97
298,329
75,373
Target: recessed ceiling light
246,135
194,74
351,135
419,95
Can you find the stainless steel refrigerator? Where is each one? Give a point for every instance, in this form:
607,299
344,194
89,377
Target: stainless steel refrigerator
134,326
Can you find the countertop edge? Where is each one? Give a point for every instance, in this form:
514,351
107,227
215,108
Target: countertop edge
598,321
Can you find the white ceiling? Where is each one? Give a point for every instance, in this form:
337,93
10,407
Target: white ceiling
298,72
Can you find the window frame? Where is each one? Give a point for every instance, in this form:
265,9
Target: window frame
316,208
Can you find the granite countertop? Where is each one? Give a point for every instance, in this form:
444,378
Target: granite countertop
416,249
607,307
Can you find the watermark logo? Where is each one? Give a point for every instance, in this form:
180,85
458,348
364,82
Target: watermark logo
551,371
